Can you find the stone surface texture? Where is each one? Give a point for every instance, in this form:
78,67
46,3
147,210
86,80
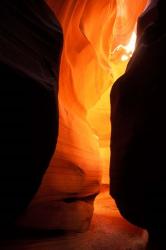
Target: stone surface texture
92,30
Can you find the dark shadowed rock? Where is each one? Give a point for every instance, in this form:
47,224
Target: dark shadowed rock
138,138
30,47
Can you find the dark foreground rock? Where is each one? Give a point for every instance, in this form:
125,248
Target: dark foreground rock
138,132
30,47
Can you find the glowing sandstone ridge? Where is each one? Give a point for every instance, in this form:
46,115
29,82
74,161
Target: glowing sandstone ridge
98,42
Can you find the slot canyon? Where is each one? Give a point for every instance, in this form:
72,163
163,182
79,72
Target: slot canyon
99,38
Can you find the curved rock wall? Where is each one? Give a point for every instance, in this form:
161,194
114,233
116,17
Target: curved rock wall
89,66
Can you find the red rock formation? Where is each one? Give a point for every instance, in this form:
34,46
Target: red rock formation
90,64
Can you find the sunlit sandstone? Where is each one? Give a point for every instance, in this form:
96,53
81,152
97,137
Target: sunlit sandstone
96,39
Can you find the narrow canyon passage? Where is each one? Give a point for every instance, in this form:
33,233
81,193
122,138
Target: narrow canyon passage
99,38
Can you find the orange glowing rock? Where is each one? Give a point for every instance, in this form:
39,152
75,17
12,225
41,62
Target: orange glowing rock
89,66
